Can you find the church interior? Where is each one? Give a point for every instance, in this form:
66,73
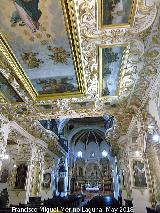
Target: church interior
80,106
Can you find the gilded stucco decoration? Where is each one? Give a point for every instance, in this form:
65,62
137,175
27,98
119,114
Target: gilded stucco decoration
93,37
146,79
8,67
87,15
140,72
7,71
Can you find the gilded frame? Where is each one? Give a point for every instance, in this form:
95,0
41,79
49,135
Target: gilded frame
100,16
134,161
73,34
3,99
125,54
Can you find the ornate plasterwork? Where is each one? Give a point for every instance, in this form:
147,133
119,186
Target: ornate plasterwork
87,13
7,67
90,105
89,37
149,77
146,82
3,98
133,82
19,73
40,135
93,37
43,138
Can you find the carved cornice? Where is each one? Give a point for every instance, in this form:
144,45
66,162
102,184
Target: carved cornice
149,81
144,17
8,65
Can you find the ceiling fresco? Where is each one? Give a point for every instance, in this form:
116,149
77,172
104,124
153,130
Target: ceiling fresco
117,12
44,55
110,65
36,32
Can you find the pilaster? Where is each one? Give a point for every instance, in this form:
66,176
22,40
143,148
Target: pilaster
34,176
4,132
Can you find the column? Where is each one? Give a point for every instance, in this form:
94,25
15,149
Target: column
4,131
34,176
150,180
128,181
56,177
66,176
69,180
63,177
37,174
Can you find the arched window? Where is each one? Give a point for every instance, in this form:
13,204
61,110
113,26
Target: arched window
104,153
79,154
92,154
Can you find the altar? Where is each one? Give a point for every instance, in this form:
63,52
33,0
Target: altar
92,189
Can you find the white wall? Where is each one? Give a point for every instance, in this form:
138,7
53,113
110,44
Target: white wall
140,200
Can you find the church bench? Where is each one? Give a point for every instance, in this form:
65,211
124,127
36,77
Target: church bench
151,210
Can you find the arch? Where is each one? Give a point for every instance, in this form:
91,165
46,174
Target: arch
75,131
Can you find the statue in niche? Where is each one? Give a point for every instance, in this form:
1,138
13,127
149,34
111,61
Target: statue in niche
61,186
109,122
4,198
21,176
105,172
72,185
80,171
46,180
4,176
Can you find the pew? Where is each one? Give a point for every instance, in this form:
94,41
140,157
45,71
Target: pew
151,210
69,201
128,203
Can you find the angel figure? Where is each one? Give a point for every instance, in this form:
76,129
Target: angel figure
29,13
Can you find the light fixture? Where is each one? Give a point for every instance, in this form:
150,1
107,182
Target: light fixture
92,154
79,154
156,137
104,153
2,156
137,153
150,126
108,198
6,157
14,165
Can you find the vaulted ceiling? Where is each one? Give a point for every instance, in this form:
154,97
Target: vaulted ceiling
77,58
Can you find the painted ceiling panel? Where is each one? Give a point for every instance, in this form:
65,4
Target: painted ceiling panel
111,62
116,12
37,34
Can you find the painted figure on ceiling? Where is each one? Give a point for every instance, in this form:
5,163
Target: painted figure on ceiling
29,13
